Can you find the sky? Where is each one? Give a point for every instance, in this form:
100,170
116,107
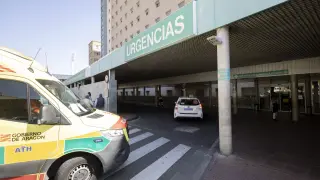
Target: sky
58,27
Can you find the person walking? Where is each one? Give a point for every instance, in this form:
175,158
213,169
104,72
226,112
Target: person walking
100,102
275,109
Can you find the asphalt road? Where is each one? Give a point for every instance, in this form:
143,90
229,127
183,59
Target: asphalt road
163,148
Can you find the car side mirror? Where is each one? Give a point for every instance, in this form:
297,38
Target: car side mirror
48,115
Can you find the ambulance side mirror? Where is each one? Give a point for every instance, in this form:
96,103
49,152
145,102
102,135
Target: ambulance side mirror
48,115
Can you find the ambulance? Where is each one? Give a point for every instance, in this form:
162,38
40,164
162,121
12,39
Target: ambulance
47,132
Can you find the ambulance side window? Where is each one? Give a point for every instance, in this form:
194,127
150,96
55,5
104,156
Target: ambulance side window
13,100
37,102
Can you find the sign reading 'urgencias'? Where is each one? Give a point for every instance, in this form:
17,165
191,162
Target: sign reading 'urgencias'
174,28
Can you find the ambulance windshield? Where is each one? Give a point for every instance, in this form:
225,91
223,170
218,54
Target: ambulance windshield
67,97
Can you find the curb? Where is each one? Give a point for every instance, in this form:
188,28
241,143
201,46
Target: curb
213,154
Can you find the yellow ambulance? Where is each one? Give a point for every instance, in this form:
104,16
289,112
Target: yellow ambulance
47,132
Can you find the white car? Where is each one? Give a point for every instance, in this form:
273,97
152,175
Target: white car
188,108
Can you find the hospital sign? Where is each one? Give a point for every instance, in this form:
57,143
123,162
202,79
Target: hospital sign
171,30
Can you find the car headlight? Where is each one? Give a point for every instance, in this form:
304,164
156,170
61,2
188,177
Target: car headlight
112,132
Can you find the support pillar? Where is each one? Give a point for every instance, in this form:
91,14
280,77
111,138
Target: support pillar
156,94
257,93
92,80
184,90
123,93
144,91
235,96
111,98
210,94
294,98
307,84
223,61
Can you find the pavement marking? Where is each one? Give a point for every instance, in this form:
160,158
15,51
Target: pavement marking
140,137
188,129
142,151
132,131
159,167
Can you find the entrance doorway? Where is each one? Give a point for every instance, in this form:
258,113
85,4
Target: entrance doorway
282,94
315,97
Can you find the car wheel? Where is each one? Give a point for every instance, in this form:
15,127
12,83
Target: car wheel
78,168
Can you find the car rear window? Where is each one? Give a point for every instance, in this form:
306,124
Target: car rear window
189,102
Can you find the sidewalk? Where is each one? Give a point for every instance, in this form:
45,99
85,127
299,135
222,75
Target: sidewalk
267,150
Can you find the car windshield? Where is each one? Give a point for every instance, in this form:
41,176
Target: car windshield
189,102
67,97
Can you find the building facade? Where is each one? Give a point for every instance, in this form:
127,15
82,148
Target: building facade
121,20
94,51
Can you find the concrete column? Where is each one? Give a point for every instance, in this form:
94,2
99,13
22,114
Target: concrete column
210,94
184,90
111,99
92,80
307,90
257,93
223,61
294,98
144,91
156,94
256,86
123,93
235,96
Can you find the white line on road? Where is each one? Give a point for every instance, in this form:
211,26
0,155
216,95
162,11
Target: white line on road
142,151
135,130
140,138
159,167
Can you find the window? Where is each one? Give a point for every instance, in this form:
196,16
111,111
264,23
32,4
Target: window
131,36
120,19
116,1
117,46
15,106
116,24
120,43
126,2
131,10
157,3
131,23
138,4
121,31
181,4
138,18
120,8
126,27
157,20
147,26
13,101
126,15
138,32
147,12
112,17
126,40
168,12
116,12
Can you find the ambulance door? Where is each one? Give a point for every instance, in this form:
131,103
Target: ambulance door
25,143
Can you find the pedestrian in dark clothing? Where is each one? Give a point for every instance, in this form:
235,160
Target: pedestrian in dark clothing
100,102
275,109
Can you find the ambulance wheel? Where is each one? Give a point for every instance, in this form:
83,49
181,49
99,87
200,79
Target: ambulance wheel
78,168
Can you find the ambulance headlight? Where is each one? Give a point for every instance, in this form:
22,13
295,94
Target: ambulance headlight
112,132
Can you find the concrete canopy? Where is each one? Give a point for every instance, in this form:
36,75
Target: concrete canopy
288,31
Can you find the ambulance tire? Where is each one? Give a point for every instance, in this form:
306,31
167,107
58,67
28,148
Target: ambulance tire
76,163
